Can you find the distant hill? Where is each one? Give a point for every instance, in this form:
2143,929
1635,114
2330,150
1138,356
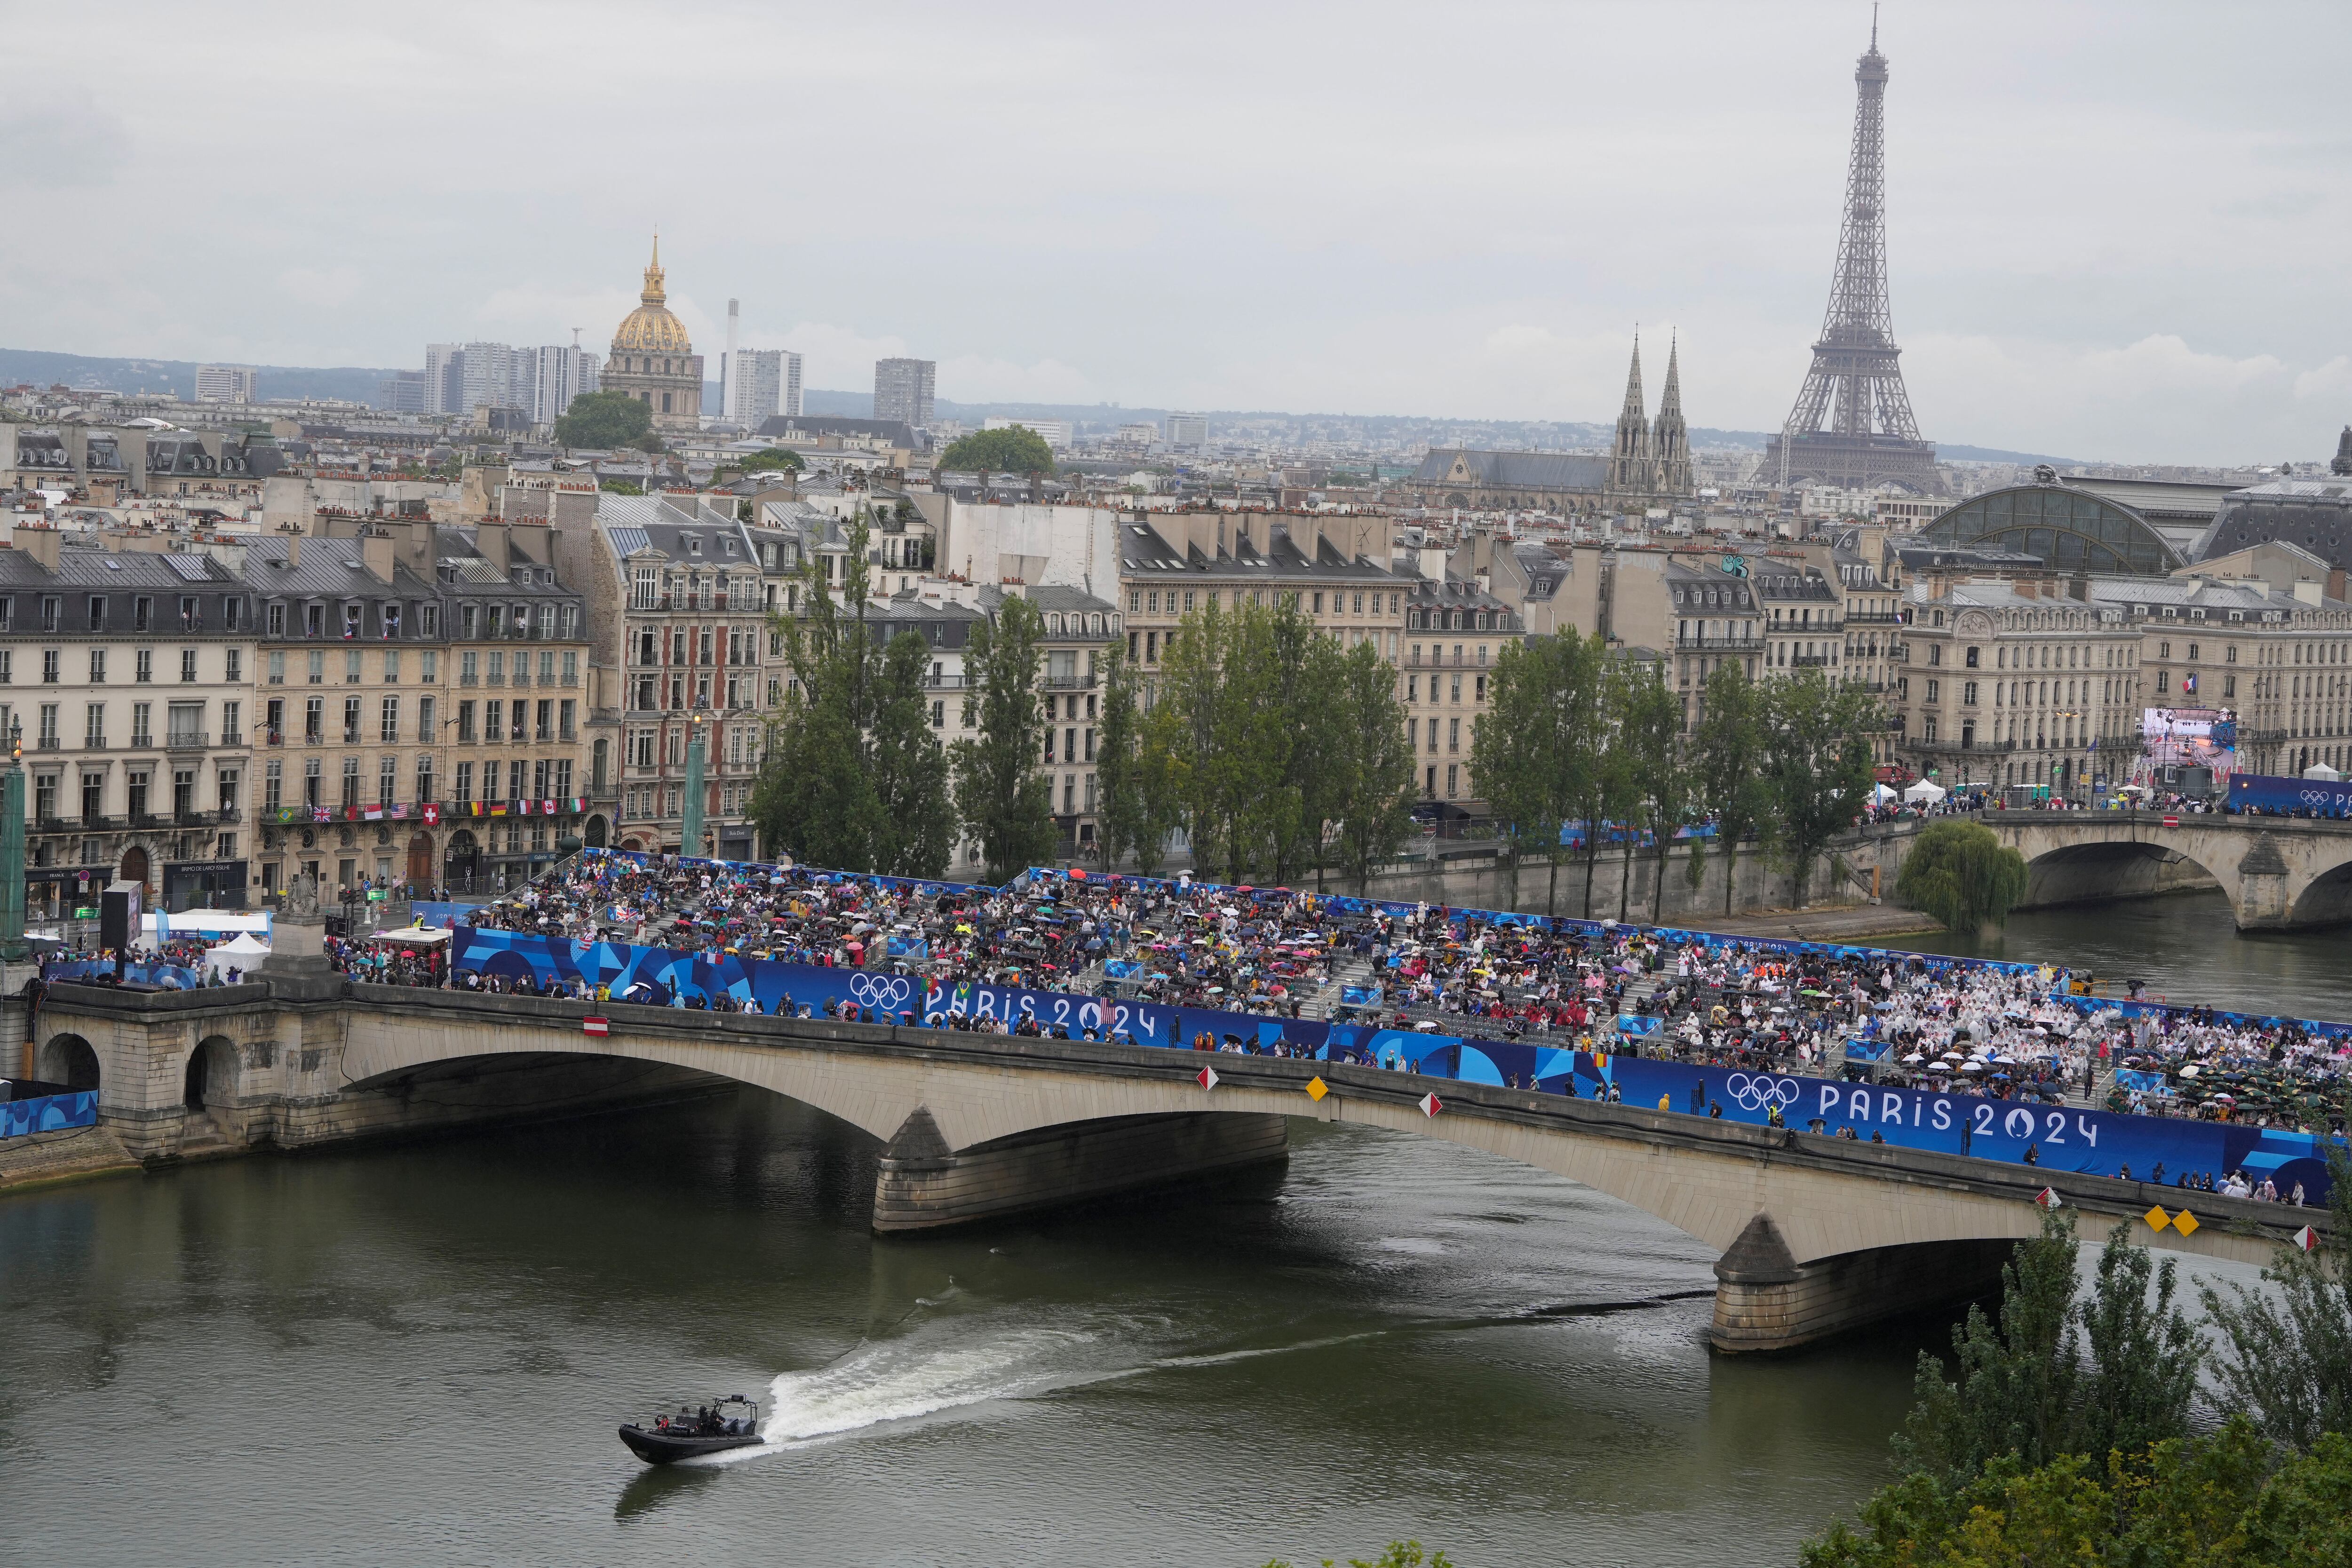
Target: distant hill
179,376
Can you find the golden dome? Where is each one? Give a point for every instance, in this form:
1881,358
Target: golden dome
650,327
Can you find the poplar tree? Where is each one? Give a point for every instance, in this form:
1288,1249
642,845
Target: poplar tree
1817,761
1006,804
1727,755
1372,799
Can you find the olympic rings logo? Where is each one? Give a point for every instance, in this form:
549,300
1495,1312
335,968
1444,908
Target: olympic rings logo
1756,1093
880,990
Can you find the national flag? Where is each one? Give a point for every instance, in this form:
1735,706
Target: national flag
1430,1105
497,808
374,813
2048,1198
597,1026
431,813
1206,1077
397,811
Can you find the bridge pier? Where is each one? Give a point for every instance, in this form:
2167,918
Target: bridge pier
1766,1301
925,1186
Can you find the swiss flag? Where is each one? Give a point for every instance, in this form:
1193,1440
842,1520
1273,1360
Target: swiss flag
432,812
1206,1077
1430,1105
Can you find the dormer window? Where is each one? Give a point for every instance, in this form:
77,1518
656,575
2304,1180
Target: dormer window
694,545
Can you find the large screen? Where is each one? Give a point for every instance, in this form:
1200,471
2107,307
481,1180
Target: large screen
2178,736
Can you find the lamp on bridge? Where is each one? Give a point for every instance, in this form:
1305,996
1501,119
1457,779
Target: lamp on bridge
690,837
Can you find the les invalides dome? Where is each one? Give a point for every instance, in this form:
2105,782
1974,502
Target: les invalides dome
652,359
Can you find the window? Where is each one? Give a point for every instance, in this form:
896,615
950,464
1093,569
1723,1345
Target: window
232,614
187,665
142,666
387,779
142,614
234,668
388,720
98,667
392,667
141,718
274,618
465,795
273,785
571,667
7,666
318,669
98,612
429,666
425,778
232,724
494,722
543,729
1972,664
50,605
314,721
466,724
567,720
93,734
224,788
494,671
351,720
311,782
351,668
429,623
50,666
314,620
350,782
468,668
187,724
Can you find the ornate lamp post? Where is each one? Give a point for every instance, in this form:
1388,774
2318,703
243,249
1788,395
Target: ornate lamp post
689,838
13,948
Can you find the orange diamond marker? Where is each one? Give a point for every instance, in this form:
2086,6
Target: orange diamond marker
2157,1218
2185,1223
1317,1088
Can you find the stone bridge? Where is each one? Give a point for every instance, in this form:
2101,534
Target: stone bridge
2279,873
1818,1234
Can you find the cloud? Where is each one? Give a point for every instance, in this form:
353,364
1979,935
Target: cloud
2333,379
328,286
974,379
58,137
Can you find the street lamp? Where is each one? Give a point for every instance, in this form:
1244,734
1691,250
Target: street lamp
690,837
13,948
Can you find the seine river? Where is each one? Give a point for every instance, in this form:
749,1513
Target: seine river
420,1353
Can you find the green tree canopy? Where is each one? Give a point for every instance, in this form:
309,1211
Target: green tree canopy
2286,1352
774,457
1370,799
1015,451
606,420
1727,757
1005,802
1139,808
1961,873
1817,763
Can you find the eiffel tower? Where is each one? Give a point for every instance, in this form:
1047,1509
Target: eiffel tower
1851,424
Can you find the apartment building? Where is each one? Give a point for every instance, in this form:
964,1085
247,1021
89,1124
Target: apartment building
1455,631
128,679
1335,568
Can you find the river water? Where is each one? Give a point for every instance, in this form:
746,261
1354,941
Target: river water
420,1352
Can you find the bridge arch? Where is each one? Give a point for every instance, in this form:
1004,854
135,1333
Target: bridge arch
210,1078
68,1060
2098,869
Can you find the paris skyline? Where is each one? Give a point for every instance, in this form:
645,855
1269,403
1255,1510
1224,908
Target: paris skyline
2110,229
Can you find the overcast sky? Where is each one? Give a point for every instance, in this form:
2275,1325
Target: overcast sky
2117,230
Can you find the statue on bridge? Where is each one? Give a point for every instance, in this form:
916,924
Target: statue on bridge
302,895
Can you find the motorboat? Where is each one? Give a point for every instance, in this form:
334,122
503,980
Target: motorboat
714,1428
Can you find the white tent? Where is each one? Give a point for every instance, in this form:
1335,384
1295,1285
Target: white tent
241,955
1881,793
1923,793
2323,772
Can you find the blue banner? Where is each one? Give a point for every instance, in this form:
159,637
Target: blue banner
2092,1142
171,977
2263,792
49,1113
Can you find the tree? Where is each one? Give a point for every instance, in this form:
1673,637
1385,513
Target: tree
621,488
1139,798
1005,802
606,420
2115,1374
774,458
815,797
1649,725
1016,449
1511,754
1817,762
1227,731
1961,873
914,832
1727,754
1373,804
2287,1356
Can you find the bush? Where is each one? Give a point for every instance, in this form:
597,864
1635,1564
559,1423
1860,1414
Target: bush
1961,873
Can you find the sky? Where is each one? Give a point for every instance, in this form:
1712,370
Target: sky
2116,230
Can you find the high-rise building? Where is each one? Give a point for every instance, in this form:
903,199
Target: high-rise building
404,391
1852,423
442,377
902,389
224,383
493,375
763,383
561,372
1187,432
1055,433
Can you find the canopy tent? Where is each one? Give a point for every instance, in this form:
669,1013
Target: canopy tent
1923,793
1881,793
412,936
207,922
2323,772
241,955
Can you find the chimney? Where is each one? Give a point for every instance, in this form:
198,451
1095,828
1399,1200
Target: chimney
41,544
2078,587
2306,591
491,539
2336,583
376,552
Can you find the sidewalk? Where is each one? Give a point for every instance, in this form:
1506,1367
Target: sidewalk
1827,922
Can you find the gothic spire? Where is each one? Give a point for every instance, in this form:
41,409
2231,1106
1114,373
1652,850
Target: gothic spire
1633,399
1670,439
1630,467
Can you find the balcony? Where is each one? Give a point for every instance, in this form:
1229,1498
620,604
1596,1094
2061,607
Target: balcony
1718,645
1067,683
48,744
93,742
1959,748
273,737
1809,660
1874,617
187,741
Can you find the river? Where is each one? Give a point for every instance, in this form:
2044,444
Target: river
419,1353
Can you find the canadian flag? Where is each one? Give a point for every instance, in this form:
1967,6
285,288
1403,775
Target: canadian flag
2306,1238
2048,1198
1206,1077
1430,1105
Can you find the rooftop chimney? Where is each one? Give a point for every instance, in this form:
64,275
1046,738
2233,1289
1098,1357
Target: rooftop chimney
41,543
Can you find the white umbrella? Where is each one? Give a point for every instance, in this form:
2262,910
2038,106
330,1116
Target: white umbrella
1925,791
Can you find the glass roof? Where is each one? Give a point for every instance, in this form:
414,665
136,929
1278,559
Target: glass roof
2071,531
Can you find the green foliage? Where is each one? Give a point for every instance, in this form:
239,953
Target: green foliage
1016,450
1817,763
1136,774
621,488
1727,756
774,457
1400,1554
1961,873
1372,763
855,776
606,420
1647,724
1004,801
2286,1353
2118,1371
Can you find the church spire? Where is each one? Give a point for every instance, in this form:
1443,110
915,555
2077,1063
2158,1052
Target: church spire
1670,439
654,293
1629,455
